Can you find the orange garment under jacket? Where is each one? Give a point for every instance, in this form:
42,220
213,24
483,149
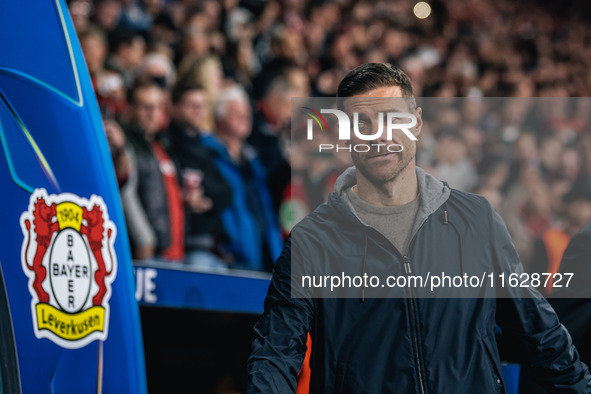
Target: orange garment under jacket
556,241
304,374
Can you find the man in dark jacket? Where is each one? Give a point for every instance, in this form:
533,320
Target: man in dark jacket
205,191
389,218
573,303
151,197
270,128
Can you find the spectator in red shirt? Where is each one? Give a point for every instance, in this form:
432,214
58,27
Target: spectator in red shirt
151,196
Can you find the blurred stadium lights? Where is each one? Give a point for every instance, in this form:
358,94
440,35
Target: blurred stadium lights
422,10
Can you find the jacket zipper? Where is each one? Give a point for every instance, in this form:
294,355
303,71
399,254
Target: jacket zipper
413,311
414,328
411,299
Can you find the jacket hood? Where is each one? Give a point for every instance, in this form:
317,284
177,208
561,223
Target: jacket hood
432,193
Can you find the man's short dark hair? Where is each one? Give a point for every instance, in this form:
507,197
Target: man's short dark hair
183,87
94,31
122,36
141,84
372,76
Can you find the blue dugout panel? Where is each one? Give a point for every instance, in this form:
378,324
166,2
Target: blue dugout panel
65,256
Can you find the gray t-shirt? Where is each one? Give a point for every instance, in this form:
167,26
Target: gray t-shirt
393,222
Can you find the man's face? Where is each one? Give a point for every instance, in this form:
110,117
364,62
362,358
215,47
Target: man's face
579,212
133,53
237,121
148,109
192,109
380,166
279,102
108,13
95,51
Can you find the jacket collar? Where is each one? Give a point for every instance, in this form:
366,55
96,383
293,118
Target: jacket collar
214,143
432,194
184,131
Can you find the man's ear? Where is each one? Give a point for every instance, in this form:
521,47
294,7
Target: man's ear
417,129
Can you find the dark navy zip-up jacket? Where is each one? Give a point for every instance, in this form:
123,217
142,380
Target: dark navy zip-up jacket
404,340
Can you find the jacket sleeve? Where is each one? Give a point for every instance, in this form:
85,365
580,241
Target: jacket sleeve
530,326
576,261
215,185
573,303
139,228
279,344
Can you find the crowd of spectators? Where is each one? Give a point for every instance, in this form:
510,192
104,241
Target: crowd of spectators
196,98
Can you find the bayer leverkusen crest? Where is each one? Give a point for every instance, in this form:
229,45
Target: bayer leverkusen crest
67,254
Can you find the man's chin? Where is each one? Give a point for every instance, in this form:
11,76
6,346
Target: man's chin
379,172
380,176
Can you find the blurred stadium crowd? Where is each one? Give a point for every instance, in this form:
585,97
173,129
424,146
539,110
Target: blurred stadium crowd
196,98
